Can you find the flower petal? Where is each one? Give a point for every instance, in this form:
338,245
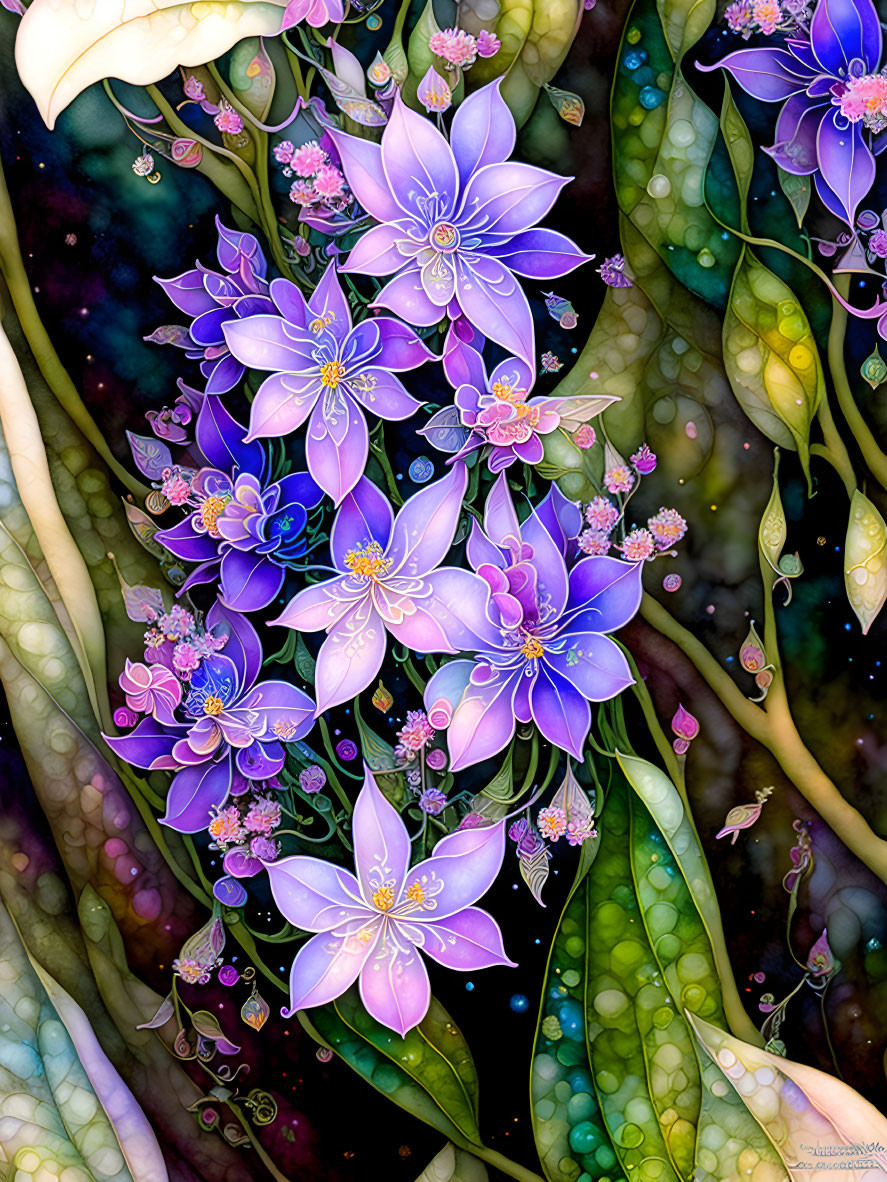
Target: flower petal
483,721
405,296
262,343
243,647
351,655
249,581
842,30
606,592
500,518
462,868
540,254
282,711
560,711
794,149
492,299
221,439
548,561
384,394
467,941
337,446
768,74
314,895
423,530
381,841
458,602
594,664
281,405
394,982
508,198
194,792
365,516
149,743
316,608
188,293
326,966
400,348
418,165
362,165
845,161
483,130
375,252
328,299
185,542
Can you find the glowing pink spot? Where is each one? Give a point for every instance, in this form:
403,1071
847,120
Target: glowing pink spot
690,430
114,847
147,904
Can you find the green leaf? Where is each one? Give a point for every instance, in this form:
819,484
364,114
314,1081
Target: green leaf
454,1165
865,572
797,190
501,787
252,76
430,1072
771,358
303,661
740,149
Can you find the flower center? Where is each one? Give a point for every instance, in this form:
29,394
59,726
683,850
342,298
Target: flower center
444,237
532,649
416,893
332,373
284,730
210,512
213,705
863,99
383,898
368,562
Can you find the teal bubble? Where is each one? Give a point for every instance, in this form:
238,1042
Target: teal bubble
572,1019
580,1080
651,97
584,1137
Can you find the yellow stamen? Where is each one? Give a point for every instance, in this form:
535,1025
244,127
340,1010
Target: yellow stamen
416,893
332,373
501,390
531,648
383,898
210,512
213,705
368,562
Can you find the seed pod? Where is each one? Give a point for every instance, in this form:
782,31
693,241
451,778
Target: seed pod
865,574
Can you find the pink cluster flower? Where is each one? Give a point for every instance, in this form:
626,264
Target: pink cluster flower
416,732
667,527
264,848
488,44
191,971
767,14
263,816
226,827
193,88
584,436
228,120
579,831
594,541
638,545
877,244
601,514
740,19
283,152
185,660
176,623
175,487
644,461
306,159
455,46
619,479
321,188
552,823
329,181
865,98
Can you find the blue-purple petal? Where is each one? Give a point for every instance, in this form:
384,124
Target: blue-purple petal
193,794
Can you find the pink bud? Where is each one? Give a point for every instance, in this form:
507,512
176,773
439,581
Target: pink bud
684,725
681,746
441,714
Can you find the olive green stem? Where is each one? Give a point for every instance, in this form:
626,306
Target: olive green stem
511,1168
775,730
834,451
874,457
12,268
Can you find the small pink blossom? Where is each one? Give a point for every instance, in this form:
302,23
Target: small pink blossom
417,731
150,689
226,827
684,725
264,848
283,152
584,436
193,88
579,831
175,488
594,541
552,823
263,816
638,545
455,46
767,14
185,659
619,479
643,460
667,527
434,92
739,18
177,623
488,44
191,971
306,160
601,514
228,120
302,193
328,181
878,244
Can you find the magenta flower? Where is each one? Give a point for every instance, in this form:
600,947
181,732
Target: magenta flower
151,689
313,12
544,654
326,368
456,219
371,927
390,580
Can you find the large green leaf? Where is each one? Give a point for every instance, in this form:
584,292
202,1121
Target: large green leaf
430,1072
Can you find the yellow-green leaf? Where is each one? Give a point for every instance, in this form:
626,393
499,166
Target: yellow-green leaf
865,573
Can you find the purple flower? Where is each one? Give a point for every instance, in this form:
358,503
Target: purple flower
230,726
371,926
456,219
324,367
612,271
545,654
496,410
391,580
878,244
314,12
432,801
312,778
212,299
241,531
824,81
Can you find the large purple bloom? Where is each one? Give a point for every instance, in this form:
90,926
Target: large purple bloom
456,219
823,127
213,299
391,580
544,655
230,725
371,926
241,531
326,368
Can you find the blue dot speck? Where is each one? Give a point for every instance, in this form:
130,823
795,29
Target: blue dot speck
519,1003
